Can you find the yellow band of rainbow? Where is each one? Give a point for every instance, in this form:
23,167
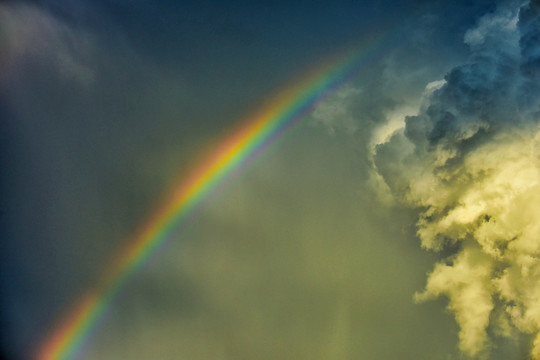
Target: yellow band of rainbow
243,144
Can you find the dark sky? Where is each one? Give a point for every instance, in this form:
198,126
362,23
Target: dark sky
104,105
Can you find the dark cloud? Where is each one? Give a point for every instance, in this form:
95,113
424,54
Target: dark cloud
530,36
468,161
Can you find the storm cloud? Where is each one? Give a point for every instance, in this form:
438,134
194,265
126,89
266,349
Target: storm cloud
469,163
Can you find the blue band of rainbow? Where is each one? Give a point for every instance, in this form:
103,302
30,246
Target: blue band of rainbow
241,146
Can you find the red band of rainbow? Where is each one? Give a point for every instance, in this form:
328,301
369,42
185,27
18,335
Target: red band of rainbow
242,145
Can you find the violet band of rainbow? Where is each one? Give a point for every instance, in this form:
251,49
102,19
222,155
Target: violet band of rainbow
253,137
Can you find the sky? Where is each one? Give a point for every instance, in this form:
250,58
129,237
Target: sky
398,220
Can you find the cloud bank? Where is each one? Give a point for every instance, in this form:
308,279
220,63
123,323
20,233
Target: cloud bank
469,162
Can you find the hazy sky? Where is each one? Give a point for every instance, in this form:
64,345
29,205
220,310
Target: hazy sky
399,221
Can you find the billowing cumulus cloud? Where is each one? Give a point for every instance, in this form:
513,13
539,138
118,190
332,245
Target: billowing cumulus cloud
469,162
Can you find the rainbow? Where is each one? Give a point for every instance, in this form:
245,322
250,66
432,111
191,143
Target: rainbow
241,146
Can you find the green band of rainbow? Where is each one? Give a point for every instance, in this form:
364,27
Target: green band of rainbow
245,143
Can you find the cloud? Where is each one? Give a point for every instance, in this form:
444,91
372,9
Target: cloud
469,162
334,115
32,35
466,283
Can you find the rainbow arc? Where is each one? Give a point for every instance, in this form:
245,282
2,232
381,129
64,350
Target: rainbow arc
243,144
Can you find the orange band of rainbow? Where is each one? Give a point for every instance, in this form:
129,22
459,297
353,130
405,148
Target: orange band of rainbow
245,143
